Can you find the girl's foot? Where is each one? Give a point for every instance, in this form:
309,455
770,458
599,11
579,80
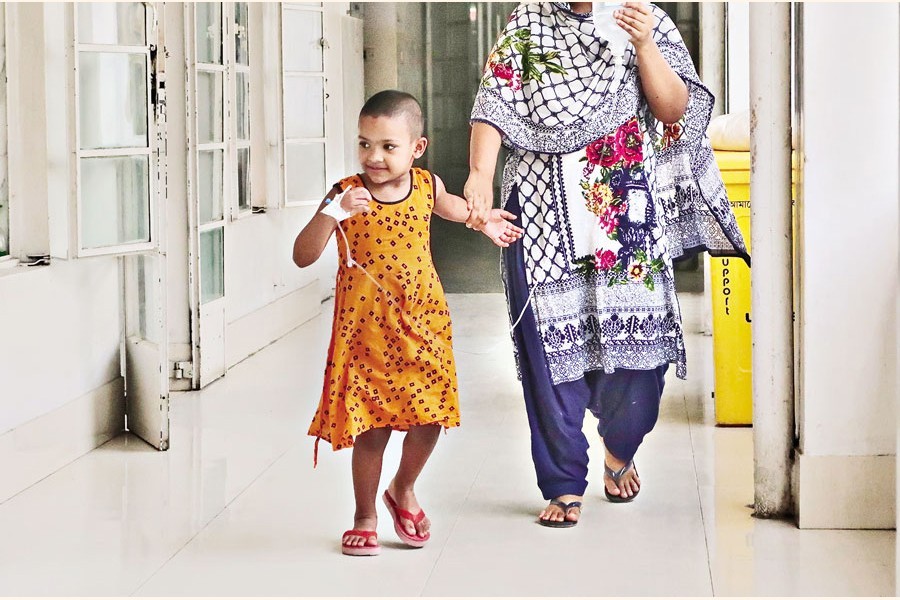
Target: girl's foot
362,534
406,500
555,513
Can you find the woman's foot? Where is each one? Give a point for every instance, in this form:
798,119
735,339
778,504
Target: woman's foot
561,510
627,484
406,500
356,538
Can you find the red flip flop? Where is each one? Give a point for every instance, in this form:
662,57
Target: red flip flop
397,513
367,550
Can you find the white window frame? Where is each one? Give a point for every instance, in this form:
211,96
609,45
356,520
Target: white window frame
150,151
222,69
315,197
237,211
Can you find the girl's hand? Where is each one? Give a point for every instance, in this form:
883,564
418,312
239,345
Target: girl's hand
356,201
500,230
637,19
479,195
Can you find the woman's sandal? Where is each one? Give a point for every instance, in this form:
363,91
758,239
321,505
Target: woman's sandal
616,476
565,508
365,550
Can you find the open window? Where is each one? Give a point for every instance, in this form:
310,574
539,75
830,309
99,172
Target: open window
115,132
119,125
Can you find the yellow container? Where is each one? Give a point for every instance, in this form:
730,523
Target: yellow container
732,342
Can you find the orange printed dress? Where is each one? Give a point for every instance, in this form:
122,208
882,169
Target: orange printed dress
390,361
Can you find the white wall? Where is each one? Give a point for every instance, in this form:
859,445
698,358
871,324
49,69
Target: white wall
850,223
59,336
849,253
259,267
59,324
380,27
738,56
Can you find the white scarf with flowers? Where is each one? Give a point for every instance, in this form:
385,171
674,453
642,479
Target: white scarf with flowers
608,195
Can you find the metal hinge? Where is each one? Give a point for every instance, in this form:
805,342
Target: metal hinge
183,370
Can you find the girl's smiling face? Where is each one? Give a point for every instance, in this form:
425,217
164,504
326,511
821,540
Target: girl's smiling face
387,147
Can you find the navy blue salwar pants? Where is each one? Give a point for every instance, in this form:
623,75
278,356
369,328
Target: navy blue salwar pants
626,402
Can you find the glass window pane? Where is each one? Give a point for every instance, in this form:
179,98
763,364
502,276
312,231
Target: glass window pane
209,107
209,186
115,201
112,100
243,177
241,36
212,264
305,168
302,46
242,106
148,327
115,23
209,32
304,107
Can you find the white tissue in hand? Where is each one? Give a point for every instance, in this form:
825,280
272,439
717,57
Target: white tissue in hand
606,27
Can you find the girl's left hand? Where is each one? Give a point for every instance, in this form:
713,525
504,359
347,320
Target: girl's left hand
637,19
500,229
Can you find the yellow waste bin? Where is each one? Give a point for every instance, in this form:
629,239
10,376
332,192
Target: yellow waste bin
732,343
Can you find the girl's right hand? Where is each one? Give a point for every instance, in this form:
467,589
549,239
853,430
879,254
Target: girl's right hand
479,195
356,200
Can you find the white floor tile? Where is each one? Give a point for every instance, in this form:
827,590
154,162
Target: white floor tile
235,507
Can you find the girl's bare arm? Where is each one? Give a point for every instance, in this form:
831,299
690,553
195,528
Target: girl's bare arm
311,241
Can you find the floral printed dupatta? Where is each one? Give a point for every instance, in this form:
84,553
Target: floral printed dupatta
609,195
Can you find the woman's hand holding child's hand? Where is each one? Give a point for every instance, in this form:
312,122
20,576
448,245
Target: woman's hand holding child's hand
479,194
356,201
500,230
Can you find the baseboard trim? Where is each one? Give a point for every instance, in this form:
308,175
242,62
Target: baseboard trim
42,446
251,333
846,492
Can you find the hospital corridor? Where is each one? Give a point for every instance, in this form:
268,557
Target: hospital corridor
162,354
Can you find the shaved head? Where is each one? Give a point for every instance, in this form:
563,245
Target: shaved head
394,103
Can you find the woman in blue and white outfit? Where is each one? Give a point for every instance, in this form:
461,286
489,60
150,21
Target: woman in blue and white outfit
613,176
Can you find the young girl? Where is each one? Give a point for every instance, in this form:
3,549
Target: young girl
390,364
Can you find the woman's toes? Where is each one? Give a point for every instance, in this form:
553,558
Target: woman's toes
552,513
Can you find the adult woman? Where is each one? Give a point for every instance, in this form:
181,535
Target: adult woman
613,176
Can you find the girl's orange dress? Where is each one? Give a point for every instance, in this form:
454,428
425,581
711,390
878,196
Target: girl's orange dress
390,361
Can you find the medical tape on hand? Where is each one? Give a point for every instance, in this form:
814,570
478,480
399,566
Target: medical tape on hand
334,209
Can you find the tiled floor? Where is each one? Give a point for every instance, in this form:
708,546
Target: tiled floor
235,507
